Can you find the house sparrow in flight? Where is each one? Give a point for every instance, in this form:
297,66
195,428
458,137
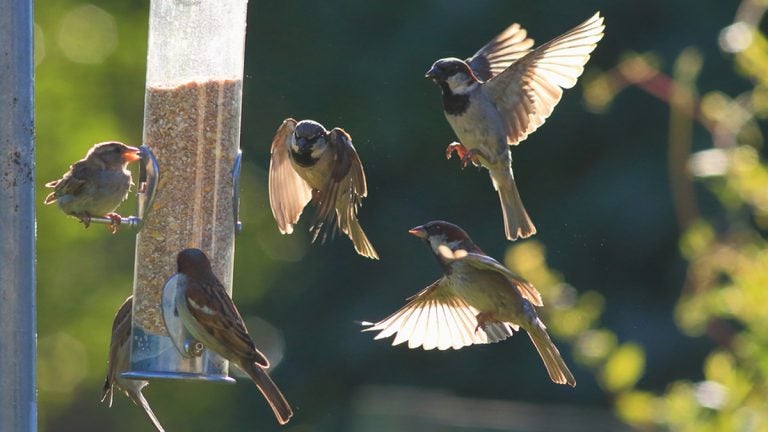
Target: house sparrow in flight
210,316
505,92
119,362
96,185
311,164
477,301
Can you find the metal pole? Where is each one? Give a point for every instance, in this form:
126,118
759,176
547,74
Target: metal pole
18,400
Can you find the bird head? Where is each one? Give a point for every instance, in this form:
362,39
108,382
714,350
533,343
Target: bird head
113,154
194,263
447,240
453,72
310,139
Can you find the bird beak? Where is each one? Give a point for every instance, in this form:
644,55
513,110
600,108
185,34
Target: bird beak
132,154
305,146
419,232
432,73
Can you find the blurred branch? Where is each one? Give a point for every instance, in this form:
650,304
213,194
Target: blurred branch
682,98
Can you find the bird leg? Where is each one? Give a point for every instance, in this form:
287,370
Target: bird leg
84,217
116,219
455,147
315,197
482,319
465,154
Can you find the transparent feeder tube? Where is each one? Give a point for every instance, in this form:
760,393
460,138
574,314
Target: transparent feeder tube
192,114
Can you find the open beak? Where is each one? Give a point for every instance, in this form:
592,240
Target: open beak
131,154
419,232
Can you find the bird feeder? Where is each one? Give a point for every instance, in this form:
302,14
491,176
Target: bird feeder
192,111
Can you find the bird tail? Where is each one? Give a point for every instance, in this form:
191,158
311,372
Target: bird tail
138,398
517,224
558,371
106,392
269,389
351,227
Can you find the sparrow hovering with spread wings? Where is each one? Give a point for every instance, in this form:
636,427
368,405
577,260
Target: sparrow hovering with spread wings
311,164
120,361
477,301
503,93
97,184
210,316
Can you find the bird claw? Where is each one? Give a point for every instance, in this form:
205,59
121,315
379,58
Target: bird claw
455,147
470,156
482,318
116,219
464,154
85,219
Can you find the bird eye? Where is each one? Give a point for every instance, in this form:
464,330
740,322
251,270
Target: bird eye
117,150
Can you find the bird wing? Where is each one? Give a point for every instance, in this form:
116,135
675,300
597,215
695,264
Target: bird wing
484,262
71,183
121,332
438,318
528,90
213,309
288,193
342,195
500,52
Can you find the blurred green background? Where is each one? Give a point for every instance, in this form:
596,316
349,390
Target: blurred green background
646,185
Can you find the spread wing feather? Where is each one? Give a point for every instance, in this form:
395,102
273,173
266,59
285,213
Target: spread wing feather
288,193
437,318
340,200
530,88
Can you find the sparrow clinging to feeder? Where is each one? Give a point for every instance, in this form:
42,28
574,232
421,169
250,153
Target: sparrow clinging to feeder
311,164
120,361
210,316
96,185
503,93
477,301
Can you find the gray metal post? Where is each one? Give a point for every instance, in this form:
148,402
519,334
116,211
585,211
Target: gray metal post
18,401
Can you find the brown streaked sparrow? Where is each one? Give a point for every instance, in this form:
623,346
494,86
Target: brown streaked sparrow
119,362
503,93
477,301
311,164
97,184
210,316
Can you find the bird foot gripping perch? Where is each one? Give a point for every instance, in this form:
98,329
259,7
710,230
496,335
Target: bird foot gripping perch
149,172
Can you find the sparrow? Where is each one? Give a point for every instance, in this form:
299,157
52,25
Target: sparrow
476,301
311,164
210,316
503,93
97,184
119,362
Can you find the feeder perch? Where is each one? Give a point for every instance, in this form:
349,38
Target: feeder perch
192,112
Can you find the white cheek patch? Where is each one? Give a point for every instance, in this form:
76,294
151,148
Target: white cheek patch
450,254
318,149
317,152
435,242
461,84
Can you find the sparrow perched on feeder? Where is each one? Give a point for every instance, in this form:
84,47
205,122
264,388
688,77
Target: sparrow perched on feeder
311,164
119,362
503,93
96,185
210,316
477,301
